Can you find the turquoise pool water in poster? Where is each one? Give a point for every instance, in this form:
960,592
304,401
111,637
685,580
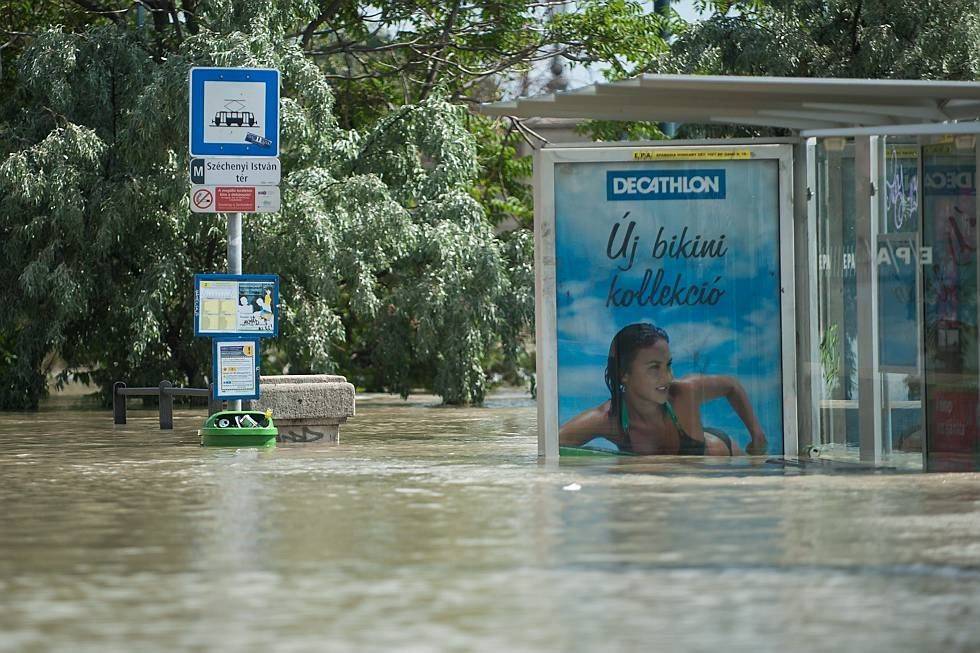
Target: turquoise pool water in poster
689,249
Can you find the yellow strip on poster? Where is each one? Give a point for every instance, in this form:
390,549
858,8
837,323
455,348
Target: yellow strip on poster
902,152
947,147
690,155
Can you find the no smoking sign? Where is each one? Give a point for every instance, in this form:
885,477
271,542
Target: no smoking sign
202,199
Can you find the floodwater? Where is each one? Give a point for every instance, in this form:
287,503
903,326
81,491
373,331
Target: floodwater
435,529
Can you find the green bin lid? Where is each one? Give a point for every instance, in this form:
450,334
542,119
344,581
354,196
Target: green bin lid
239,428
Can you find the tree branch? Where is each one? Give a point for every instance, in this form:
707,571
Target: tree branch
430,79
115,15
325,15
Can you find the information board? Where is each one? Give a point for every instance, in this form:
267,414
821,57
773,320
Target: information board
236,305
236,369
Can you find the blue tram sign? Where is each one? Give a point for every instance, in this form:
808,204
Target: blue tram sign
234,112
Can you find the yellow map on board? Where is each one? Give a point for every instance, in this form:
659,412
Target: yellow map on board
219,308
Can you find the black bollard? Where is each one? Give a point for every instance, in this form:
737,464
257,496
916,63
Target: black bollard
118,403
214,404
166,406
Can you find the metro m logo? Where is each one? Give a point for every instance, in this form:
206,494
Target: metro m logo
197,171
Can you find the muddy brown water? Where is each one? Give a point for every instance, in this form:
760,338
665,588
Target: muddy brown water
435,529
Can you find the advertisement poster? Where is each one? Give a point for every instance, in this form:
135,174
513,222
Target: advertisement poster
236,369
236,305
898,306
953,422
950,298
950,230
668,305
898,260
901,189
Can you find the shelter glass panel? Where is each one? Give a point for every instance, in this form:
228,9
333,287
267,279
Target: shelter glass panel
951,364
899,266
896,315
837,290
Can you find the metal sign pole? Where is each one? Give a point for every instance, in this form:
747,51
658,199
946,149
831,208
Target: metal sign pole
234,243
235,261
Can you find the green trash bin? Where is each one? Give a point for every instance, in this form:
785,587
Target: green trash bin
239,428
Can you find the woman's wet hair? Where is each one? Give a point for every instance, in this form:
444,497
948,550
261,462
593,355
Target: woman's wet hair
622,350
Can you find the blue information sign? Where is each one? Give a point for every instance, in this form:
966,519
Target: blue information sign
235,368
242,305
234,112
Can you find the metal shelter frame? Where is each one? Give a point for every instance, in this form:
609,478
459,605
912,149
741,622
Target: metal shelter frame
812,108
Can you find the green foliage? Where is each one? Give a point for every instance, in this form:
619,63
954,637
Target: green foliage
619,33
815,38
832,38
503,183
830,357
621,130
391,271
383,56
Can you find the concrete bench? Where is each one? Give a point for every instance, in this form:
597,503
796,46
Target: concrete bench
306,407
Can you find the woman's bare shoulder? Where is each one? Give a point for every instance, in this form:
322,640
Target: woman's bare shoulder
683,388
686,400
598,415
591,422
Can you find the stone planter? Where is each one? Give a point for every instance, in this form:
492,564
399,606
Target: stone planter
307,407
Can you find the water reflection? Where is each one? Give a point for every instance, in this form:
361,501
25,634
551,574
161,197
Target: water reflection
438,529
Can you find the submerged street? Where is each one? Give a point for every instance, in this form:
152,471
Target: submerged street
437,529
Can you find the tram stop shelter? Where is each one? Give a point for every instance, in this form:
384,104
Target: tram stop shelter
847,256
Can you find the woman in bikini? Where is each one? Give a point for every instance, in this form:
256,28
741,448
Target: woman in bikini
650,412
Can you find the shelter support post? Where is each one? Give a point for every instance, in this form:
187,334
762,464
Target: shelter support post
545,309
805,257
867,161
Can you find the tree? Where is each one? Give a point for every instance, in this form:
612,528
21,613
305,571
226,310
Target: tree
394,53
397,269
808,38
836,38
381,56
390,269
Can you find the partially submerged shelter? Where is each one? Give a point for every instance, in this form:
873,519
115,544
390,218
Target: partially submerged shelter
874,245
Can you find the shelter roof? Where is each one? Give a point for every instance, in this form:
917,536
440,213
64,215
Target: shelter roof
816,105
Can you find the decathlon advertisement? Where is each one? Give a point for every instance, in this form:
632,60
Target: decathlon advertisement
691,247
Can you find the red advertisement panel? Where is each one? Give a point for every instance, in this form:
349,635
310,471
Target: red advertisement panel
954,421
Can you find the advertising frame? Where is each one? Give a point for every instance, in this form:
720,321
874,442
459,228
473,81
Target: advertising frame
545,263
262,279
